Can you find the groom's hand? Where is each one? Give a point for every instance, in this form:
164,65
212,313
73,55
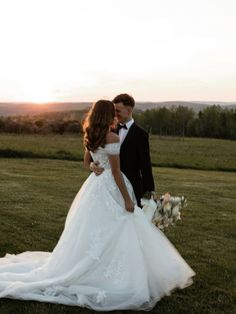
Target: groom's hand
94,166
150,194
154,195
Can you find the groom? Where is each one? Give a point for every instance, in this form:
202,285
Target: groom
135,160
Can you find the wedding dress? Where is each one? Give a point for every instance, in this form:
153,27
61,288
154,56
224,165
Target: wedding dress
106,258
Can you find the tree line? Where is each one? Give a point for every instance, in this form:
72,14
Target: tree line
213,121
58,123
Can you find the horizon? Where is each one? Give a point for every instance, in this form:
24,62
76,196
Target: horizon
157,50
136,101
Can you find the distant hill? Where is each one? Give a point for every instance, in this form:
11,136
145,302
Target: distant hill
12,109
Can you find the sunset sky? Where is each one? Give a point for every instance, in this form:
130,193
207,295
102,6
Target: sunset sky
156,50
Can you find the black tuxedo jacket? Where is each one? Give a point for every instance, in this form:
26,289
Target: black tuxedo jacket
135,161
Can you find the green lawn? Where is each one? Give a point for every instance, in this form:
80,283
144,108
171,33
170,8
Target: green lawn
193,153
190,153
35,195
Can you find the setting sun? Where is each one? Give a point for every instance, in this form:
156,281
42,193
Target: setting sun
38,94
38,90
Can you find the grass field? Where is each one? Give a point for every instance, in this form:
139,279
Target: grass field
35,195
190,153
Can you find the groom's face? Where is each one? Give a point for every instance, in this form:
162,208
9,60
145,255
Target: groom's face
123,113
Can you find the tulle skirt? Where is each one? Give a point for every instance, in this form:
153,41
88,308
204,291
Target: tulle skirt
106,258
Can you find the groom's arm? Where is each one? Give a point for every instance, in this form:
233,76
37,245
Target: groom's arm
94,167
90,165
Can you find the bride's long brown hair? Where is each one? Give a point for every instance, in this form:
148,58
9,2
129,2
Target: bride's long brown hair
97,123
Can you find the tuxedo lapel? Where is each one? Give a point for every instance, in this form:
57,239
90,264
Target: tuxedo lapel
128,136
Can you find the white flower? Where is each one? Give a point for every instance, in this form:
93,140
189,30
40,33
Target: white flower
157,219
167,208
81,299
52,290
163,212
175,212
101,296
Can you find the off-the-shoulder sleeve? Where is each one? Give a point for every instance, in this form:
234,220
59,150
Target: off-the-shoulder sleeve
113,148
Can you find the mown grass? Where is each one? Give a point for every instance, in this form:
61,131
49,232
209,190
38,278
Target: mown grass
35,195
176,152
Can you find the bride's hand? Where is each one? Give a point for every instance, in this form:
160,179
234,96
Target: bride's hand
129,206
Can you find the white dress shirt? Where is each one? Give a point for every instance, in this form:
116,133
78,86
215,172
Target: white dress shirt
123,132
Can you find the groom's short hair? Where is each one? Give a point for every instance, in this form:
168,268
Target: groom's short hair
126,99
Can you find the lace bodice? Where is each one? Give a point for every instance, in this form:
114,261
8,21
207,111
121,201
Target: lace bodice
101,154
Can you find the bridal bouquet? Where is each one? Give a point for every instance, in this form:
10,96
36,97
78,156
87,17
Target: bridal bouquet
165,211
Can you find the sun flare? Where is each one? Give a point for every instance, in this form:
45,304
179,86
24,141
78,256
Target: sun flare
38,93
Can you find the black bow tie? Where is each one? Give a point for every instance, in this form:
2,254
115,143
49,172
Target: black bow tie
120,126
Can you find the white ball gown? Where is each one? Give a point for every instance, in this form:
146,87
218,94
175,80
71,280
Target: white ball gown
106,258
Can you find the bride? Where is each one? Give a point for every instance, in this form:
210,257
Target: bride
109,257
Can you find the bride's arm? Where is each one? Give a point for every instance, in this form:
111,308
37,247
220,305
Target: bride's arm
87,159
115,168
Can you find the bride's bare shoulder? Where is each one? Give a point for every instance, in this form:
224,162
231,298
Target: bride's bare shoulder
112,138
